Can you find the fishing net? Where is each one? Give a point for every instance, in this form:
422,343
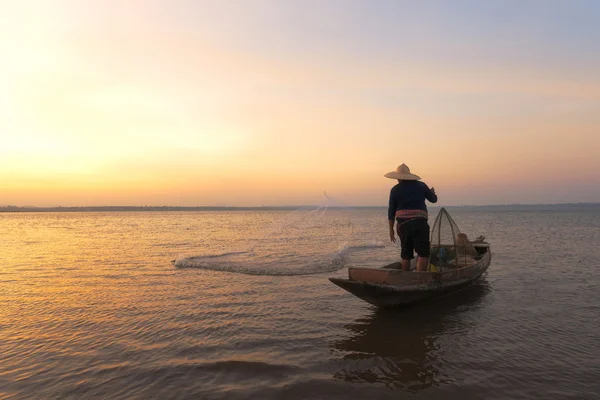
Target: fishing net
449,247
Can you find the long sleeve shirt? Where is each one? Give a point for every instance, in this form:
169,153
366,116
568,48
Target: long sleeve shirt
409,195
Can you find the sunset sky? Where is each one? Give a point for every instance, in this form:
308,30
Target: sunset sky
140,102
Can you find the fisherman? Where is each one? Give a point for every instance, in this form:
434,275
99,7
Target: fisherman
407,207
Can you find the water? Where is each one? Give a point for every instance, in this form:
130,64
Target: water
93,307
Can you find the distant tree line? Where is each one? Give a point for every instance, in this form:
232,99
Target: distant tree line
513,207
156,208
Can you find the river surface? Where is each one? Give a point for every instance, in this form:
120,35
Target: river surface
237,305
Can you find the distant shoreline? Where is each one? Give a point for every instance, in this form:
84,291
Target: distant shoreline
16,209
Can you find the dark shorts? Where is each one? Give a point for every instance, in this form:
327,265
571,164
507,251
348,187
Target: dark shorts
414,236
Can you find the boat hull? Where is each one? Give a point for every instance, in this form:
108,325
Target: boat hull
388,287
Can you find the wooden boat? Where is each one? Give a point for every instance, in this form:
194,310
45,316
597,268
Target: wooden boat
454,264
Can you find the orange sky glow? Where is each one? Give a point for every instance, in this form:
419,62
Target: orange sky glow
272,103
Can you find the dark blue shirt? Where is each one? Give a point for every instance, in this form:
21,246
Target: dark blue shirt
409,195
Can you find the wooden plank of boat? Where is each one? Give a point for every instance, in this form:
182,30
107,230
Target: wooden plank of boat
389,286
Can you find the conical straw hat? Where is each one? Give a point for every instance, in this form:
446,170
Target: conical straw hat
403,173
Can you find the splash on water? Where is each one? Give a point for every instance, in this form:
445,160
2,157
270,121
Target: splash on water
309,234
252,268
346,248
251,263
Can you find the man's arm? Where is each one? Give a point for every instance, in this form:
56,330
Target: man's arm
392,235
430,194
392,216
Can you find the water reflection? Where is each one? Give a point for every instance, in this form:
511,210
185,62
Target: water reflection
405,348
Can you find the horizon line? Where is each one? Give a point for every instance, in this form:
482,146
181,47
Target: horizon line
31,208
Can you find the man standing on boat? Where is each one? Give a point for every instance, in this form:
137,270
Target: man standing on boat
407,207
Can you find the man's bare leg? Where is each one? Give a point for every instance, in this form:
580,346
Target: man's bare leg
422,263
405,265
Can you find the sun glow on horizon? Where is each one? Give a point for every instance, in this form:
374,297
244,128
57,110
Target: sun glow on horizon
195,103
